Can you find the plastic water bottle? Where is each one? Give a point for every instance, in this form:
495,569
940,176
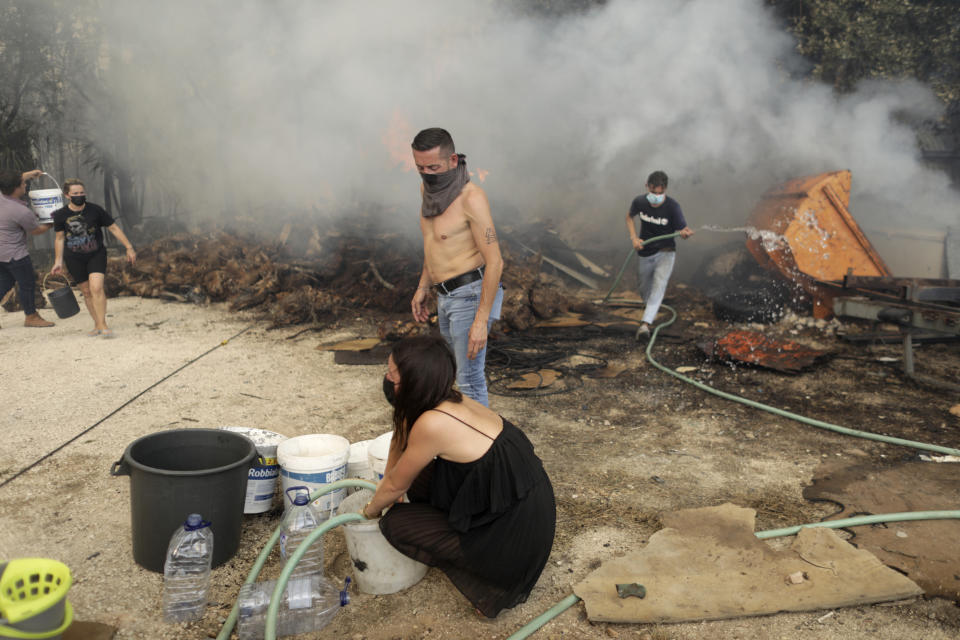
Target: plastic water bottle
186,571
309,604
299,521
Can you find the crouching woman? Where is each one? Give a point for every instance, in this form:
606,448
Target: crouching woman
481,505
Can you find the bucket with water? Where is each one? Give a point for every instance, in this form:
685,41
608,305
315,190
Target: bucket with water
262,477
182,471
377,454
378,567
62,300
45,201
314,461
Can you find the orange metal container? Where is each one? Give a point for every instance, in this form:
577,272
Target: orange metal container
805,232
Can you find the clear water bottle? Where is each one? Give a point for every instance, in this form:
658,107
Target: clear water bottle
309,604
186,571
297,524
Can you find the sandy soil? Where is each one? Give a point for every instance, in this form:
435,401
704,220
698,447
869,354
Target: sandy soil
643,444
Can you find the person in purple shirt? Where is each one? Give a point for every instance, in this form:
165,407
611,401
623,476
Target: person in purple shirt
16,221
659,215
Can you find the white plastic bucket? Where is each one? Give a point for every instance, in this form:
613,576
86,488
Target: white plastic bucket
377,453
358,464
313,461
44,202
262,477
378,567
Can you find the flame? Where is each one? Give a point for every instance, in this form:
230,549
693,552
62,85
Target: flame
481,174
397,139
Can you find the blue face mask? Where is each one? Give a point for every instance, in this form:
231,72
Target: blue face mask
656,200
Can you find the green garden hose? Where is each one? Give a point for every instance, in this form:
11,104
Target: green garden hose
548,615
570,600
231,620
273,610
630,255
781,412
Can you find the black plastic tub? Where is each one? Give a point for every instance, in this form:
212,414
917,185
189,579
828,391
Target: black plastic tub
183,471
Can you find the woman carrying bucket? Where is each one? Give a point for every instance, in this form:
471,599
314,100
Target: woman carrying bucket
79,244
481,505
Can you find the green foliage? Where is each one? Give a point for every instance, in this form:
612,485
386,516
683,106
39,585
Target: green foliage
852,40
41,42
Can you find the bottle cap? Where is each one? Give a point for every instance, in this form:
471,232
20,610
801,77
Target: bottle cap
195,521
301,495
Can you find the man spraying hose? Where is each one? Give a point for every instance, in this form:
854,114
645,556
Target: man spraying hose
659,215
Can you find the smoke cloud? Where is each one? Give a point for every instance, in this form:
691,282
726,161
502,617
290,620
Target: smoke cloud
266,107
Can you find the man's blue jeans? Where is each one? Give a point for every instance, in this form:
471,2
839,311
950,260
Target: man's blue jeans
19,272
455,313
654,273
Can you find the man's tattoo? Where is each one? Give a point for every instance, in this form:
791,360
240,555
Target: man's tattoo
490,235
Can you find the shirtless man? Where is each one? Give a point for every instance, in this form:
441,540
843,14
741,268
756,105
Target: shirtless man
462,261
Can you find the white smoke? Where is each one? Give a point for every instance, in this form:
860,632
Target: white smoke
287,105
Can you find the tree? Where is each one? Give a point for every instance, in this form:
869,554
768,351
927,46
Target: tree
852,40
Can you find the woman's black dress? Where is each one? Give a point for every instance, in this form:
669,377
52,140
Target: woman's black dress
487,524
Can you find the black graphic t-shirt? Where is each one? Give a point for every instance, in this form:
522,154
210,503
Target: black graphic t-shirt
657,221
83,230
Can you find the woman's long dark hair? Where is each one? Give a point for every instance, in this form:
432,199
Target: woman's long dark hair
427,372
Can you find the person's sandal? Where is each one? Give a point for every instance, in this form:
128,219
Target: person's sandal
106,333
643,332
94,333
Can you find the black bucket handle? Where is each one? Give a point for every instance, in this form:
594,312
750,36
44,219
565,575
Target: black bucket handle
120,468
66,280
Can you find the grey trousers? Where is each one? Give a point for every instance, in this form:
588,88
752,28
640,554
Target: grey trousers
654,273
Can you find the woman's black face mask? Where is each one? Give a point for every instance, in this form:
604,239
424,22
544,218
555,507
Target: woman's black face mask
388,391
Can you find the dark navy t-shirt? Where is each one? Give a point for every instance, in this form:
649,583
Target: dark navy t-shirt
82,229
657,221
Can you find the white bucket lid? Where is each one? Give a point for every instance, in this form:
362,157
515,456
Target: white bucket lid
380,446
266,441
313,453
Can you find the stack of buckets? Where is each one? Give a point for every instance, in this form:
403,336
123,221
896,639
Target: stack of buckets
33,598
319,459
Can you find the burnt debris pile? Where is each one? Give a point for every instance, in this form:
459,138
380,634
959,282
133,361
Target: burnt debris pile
306,276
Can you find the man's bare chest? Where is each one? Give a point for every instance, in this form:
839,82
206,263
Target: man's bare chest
450,227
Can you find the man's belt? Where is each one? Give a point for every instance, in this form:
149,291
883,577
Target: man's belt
447,286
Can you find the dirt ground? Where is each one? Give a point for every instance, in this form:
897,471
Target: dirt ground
619,452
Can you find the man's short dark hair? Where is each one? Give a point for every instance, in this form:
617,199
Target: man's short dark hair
10,179
434,137
657,179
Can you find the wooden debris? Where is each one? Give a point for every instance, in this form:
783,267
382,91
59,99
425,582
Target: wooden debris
360,344
609,371
535,380
312,274
573,320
